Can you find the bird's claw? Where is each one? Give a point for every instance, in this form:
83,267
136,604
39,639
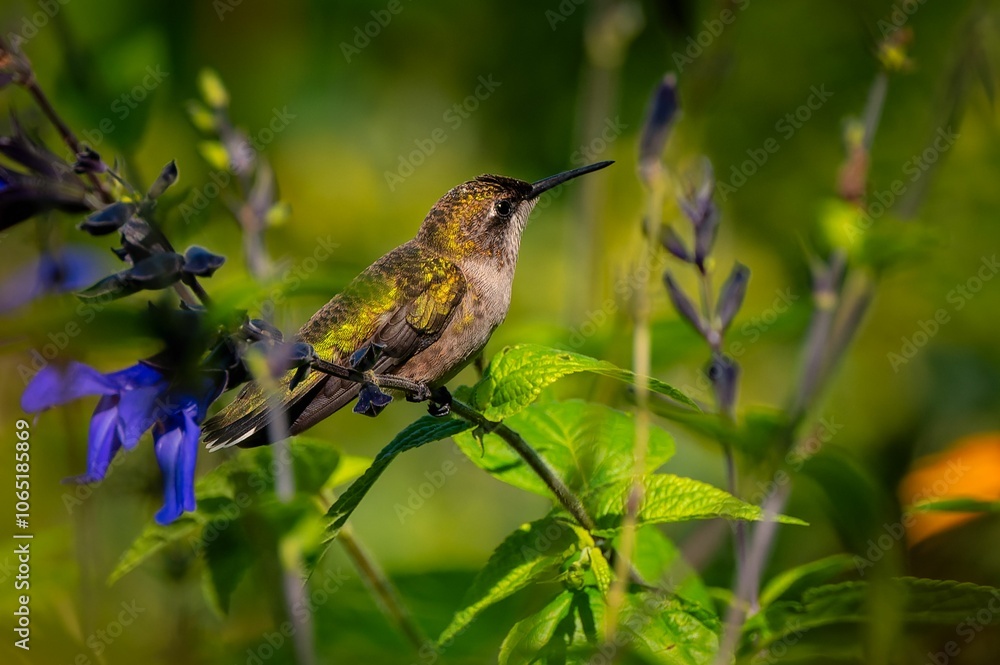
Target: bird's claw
440,402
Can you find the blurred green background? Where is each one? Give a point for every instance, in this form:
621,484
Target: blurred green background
571,83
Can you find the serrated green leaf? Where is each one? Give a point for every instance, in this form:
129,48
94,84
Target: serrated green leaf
669,498
532,551
517,375
921,601
957,505
587,444
418,433
660,628
795,580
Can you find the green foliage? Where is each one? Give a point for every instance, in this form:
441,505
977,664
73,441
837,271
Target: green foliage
423,431
533,551
959,505
669,498
518,374
588,445
659,628
236,488
916,601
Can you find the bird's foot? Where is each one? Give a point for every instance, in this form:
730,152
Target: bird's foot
440,402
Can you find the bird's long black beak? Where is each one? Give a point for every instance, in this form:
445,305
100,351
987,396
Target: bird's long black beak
546,184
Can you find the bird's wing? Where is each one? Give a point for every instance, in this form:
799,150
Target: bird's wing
402,302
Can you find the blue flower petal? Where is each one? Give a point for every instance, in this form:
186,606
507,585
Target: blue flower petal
177,454
58,385
103,442
138,375
169,440
189,457
137,412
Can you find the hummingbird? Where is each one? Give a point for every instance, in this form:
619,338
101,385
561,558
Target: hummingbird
429,307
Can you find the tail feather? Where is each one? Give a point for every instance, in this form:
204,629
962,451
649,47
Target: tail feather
229,428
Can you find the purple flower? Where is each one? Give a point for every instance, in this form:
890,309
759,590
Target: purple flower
67,270
133,400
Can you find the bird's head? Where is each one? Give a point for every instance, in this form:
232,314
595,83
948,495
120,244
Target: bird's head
486,216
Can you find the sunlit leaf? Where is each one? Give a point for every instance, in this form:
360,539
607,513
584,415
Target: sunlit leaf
669,498
660,628
529,553
517,375
587,444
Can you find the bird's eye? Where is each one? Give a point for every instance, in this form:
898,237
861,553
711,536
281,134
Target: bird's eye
504,208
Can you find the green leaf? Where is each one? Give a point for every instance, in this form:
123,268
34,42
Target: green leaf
658,627
669,498
587,444
794,581
601,569
314,462
532,551
958,505
420,432
228,556
534,634
921,601
518,374
659,561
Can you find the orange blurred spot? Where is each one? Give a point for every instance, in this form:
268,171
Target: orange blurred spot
969,468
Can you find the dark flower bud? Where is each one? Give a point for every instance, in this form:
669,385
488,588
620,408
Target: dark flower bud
724,373
167,177
108,220
261,329
158,271
673,243
284,357
731,295
301,374
371,400
35,157
663,109
23,196
88,161
365,358
201,262
683,304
